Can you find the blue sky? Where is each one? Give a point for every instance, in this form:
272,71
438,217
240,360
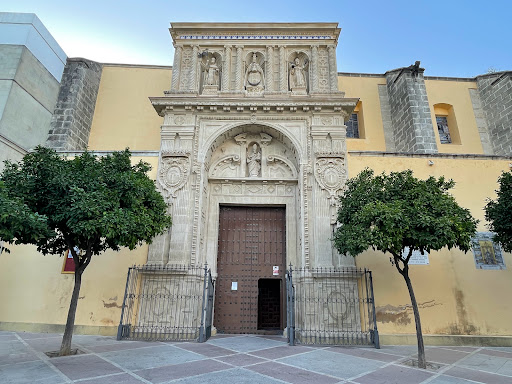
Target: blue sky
451,38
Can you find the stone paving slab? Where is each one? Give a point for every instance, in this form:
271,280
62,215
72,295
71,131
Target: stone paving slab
84,366
240,359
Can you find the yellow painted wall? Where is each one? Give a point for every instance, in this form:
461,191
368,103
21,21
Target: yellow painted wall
456,93
124,116
455,297
366,89
33,289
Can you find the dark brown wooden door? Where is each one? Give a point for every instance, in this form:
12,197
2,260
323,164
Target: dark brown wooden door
251,243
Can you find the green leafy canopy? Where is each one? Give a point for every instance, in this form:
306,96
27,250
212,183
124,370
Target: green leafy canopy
395,211
499,213
89,202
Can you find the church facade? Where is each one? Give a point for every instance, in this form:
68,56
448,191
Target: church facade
252,134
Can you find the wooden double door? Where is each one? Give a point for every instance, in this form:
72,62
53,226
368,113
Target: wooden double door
250,289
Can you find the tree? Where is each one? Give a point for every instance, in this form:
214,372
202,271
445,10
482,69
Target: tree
18,223
399,214
499,213
88,203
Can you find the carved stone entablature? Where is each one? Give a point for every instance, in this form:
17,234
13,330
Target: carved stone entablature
173,174
260,188
299,105
175,153
331,175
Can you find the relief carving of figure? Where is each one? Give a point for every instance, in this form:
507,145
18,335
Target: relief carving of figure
297,74
254,76
210,72
254,161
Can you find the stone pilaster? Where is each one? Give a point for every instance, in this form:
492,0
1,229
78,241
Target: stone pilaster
175,82
71,122
314,69
495,92
239,69
413,130
226,68
333,70
283,70
193,86
269,69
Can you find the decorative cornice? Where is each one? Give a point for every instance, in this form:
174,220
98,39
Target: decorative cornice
337,103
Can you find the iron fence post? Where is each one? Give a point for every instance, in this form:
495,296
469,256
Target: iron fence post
375,330
203,309
120,327
291,308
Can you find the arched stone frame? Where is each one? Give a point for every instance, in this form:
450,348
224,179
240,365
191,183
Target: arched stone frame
283,192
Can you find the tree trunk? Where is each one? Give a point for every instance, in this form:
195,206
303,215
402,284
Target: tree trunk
65,348
421,347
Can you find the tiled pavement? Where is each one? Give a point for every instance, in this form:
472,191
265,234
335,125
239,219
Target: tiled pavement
239,359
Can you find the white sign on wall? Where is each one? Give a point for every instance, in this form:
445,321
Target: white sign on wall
417,258
275,270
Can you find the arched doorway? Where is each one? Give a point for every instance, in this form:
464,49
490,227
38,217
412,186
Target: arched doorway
252,226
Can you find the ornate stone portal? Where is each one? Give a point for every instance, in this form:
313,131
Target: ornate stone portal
262,117
253,117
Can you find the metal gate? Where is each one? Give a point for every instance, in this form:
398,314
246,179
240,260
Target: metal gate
169,302
331,306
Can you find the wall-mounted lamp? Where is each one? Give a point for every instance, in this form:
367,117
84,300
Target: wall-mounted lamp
430,163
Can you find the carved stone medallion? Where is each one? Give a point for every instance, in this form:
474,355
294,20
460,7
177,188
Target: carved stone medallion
330,173
173,174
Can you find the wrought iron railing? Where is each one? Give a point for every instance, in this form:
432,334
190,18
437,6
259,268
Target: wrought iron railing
331,306
166,303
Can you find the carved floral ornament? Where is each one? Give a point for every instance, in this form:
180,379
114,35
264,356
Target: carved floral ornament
173,174
330,173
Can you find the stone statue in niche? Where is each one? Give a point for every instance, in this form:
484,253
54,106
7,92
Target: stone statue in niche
211,75
297,76
254,78
254,161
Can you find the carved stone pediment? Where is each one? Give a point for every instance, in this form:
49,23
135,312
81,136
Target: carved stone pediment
227,166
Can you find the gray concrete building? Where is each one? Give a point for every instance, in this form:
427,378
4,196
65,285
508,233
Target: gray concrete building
31,67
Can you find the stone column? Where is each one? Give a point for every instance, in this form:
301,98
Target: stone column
176,69
283,70
192,80
226,69
333,71
269,69
314,69
239,69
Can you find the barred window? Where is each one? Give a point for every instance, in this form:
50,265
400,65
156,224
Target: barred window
353,126
442,128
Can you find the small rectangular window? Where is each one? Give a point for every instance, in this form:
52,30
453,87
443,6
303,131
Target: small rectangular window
442,128
353,126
